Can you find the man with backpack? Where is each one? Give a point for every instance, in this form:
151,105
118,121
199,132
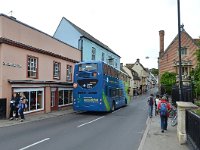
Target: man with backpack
150,103
164,108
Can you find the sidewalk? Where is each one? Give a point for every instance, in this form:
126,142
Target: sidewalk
34,117
153,139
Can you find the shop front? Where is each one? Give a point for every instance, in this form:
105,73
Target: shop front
44,96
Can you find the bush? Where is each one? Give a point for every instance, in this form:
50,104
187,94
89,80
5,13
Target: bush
197,111
197,103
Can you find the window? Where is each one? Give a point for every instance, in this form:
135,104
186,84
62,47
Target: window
53,96
110,60
69,73
32,67
35,98
56,70
116,64
103,57
65,97
93,53
183,51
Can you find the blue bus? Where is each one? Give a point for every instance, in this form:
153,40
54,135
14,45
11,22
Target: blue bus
99,87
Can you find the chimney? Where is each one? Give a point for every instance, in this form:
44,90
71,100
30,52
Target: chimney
161,33
138,60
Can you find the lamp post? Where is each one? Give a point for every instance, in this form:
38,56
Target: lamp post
179,48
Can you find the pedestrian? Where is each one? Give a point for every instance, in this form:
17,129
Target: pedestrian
150,105
156,104
12,106
17,99
21,106
164,108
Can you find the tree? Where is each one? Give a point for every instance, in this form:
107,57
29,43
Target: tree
196,74
154,71
168,79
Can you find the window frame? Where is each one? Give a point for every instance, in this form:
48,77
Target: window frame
59,70
36,67
69,75
93,56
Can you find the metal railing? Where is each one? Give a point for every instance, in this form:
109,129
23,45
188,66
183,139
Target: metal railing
193,129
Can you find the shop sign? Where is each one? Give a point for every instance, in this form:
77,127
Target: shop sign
12,65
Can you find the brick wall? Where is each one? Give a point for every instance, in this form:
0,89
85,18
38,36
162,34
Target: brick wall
170,56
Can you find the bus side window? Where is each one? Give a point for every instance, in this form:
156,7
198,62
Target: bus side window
117,92
120,92
113,92
106,90
110,93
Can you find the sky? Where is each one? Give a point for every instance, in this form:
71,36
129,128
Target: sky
129,27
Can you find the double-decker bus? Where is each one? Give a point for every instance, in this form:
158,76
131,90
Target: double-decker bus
99,87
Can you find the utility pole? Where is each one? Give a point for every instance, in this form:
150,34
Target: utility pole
179,48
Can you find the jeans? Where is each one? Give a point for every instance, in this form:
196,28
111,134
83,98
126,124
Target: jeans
150,110
163,120
21,112
11,112
16,113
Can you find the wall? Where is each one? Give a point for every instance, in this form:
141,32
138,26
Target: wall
27,35
66,33
87,52
166,62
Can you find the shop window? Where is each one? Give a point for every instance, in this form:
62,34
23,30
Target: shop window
69,73
53,96
35,98
56,70
32,67
65,97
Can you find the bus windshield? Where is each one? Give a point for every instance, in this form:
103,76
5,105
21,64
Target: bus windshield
88,67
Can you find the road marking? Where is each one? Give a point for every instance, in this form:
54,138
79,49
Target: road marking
34,144
90,122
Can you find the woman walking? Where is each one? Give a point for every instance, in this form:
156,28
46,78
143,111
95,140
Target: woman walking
21,106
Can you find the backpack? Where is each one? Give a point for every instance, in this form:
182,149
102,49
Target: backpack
163,109
151,101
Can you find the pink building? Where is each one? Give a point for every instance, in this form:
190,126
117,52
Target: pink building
35,63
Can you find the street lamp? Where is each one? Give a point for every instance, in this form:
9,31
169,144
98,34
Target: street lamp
179,48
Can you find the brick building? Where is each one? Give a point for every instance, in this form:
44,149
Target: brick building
169,58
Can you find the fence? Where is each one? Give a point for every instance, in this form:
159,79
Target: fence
193,129
2,108
186,94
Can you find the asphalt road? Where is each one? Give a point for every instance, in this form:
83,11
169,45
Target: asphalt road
120,130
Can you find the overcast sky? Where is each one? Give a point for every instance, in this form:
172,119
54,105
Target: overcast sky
129,27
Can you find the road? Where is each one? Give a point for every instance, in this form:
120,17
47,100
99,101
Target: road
120,130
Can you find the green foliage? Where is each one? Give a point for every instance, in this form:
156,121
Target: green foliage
197,103
154,71
197,111
168,79
196,75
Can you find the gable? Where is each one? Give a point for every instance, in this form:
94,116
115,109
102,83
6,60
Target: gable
66,33
186,42
169,61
